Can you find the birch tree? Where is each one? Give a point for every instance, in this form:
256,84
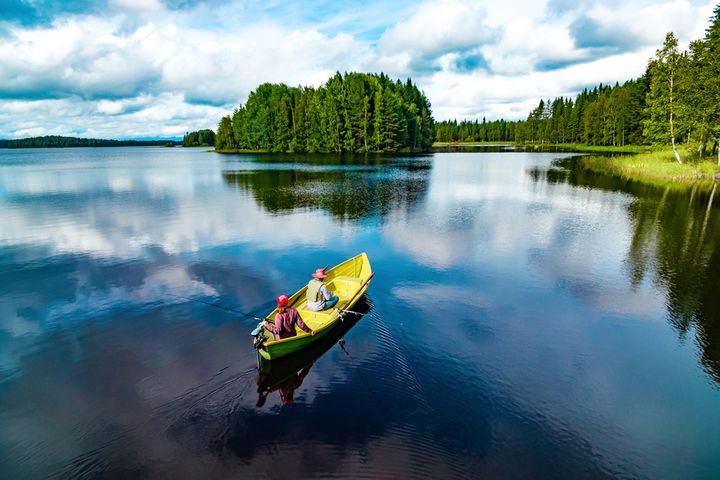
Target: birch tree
662,97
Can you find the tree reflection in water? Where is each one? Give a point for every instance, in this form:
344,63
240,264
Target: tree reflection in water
675,240
351,191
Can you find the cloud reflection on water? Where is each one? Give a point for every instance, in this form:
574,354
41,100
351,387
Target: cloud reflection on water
541,350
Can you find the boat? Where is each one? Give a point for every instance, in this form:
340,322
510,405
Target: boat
286,374
348,280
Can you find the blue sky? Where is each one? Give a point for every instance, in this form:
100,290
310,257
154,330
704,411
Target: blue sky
146,68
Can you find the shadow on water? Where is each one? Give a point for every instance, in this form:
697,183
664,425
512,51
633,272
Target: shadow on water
355,191
285,375
675,242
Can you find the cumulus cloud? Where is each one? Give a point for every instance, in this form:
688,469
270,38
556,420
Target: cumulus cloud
125,68
545,50
436,30
624,27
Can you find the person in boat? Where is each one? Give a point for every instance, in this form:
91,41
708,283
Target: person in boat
319,296
285,320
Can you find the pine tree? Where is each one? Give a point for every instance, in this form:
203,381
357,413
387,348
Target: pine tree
709,78
224,139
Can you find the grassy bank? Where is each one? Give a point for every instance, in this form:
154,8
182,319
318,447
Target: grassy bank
446,144
579,147
238,151
655,167
570,147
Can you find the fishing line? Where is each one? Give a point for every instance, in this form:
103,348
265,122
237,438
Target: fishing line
221,307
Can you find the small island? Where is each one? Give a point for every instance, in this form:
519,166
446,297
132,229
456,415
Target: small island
354,112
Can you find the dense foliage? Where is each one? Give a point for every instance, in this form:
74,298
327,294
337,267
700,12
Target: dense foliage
54,141
475,131
355,112
677,100
604,115
201,138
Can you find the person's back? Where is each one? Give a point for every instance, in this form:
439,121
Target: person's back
319,296
285,320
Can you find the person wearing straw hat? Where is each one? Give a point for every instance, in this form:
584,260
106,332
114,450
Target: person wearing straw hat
285,320
319,296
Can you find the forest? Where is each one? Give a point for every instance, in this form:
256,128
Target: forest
475,131
200,138
354,112
54,141
676,100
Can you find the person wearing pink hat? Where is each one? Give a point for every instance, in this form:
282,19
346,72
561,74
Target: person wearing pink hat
285,320
319,296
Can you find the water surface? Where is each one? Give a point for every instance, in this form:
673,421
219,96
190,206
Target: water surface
527,319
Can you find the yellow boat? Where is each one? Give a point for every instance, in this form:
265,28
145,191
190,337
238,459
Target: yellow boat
348,280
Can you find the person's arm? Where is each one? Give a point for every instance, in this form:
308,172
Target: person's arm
274,328
301,324
327,294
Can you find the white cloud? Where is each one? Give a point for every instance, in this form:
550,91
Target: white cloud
142,5
163,72
438,27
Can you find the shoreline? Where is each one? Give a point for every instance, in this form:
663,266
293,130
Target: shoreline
641,163
656,167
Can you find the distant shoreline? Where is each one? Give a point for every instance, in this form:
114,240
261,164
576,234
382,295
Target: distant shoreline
56,141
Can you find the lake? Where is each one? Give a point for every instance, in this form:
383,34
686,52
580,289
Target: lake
527,320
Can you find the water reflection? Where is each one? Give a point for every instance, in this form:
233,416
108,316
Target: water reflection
346,193
675,242
517,326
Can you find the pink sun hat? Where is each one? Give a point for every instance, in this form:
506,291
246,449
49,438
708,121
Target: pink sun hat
320,273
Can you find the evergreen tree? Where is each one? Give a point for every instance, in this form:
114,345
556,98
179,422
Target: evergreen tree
225,139
702,86
711,75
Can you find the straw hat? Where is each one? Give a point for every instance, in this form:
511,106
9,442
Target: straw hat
320,273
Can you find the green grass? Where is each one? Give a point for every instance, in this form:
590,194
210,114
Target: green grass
580,147
238,151
445,144
656,167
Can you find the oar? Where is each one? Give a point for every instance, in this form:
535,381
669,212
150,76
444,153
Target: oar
352,299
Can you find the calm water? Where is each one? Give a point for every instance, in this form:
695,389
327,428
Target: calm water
527,320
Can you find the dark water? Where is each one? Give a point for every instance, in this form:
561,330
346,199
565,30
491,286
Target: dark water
527,319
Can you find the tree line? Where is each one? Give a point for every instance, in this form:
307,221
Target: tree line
676,100
200,138
354,112
475,131
604,115
55,141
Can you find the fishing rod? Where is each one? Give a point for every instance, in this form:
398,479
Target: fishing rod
221,307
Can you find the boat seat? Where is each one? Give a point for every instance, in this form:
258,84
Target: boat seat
344,287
